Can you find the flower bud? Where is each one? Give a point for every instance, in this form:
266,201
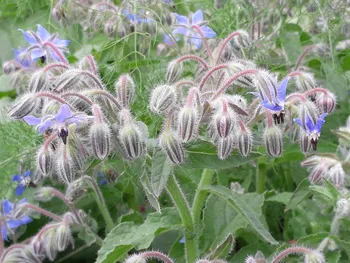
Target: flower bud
65,165
244,141
273,137
67,80
10,66
305,82
49,240
225,147
174,71
45,160
250,259
88,63
188,123
336,175
311,161
63,236
76,189
172,146
317,173
58,12
100,137
38,81
314,257
224,122
29,255
343,207
135,259
110,28
125,90
44,194
259,257
131,140
305,142
163,98
243,40
236,188
38,248
23,106
326,102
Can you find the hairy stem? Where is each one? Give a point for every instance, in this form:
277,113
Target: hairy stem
76,94
292,250
302,56
50,95
210,72
58,53
198,29
42,211
261,170
156,254
55,65
224,44
106,94
193,57
191,247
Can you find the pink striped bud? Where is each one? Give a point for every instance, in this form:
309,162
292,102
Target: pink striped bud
225,147
326,102
10,66
131,139
125,90
63,236
244,141
305,82
23,106
89,63
273,138
172,146
336,175
304,142
173,72
100,137
45,160
188,123
163,98
38,81
317,173
224,122
65,165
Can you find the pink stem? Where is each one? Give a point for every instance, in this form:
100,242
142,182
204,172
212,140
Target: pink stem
184,82
49,140
50,95
291,250
209,73
58,53
269,118
199,59
253,30
43,211
157,255
93,77
76,94
232,79
295,73
302,57
297,96
97,113
92,63
309,92
197,28
106,94
45,228
192,93
124,90
241,124
223,45
55,65
224,105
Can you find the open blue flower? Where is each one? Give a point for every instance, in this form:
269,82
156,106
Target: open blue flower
23,180
41,43
23,57
185,26
136,18
11,219
58,122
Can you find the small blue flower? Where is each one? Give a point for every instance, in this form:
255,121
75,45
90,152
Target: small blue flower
182,240
185,25
11,219
136,18
169,41
39,41
23,57
58,122
23,180
102,180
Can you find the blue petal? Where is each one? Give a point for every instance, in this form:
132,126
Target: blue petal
8,206
20,189
181,30
23,201
46,125
320,122
13,223
182,240
309,123
182,20
282,89
26,220
298,121
103,181
4,233
43,33
196,40
31,120
273,107
60,43
54,55
208,32
26,173
197,17
257,94
17,178
63,114
37,53
28,37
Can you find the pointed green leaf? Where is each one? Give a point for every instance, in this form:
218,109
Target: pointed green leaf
160,172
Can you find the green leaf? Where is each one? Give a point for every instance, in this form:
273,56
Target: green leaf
223,249
128,235
343,244
160,172
312,240
202,155
236,201
301,193
152,199
283,198
323,191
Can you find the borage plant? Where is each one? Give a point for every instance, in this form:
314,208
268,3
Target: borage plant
229,113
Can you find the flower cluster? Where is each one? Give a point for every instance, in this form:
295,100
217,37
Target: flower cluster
229,119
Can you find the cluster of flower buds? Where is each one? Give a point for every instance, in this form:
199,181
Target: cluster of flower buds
228,118
79,118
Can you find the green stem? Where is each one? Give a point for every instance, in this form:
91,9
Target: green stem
181,7
261,170
191,248
200,197
100,202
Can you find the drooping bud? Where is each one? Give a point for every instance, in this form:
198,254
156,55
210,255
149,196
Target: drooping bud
224,122
45,160
23,106
68,80
30,256
242,40
250,259
135,259
343,207
326,102
188,123
305,81
174,71
172,146
336,175
58,11
38,248
65,165
236,188
110,27
38,81
131,139
63,236
76,189
49,241
244,140
163,98
89,63
225,147
125,90
305,142
314,257
317,173
311,161
273,137
44,194
10,66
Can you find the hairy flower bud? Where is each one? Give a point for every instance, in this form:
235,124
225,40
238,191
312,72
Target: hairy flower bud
135,259
45,160
305,82
49,240
65,165
63,236
125,90
314,257
76,189
68,80
250,259
317,173
236,188
163,98
326,102
38,81
225,147
174,71
305,142
44,194
88,63
343,207
29,255
100,137
244,140
336,175
10,66
242,40
273,138
172,146
224,122
23,106
131,139
188,123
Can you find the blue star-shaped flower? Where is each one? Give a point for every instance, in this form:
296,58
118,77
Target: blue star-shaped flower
58,122
23,180
311,127
11,220
40,42
185,25
23,57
